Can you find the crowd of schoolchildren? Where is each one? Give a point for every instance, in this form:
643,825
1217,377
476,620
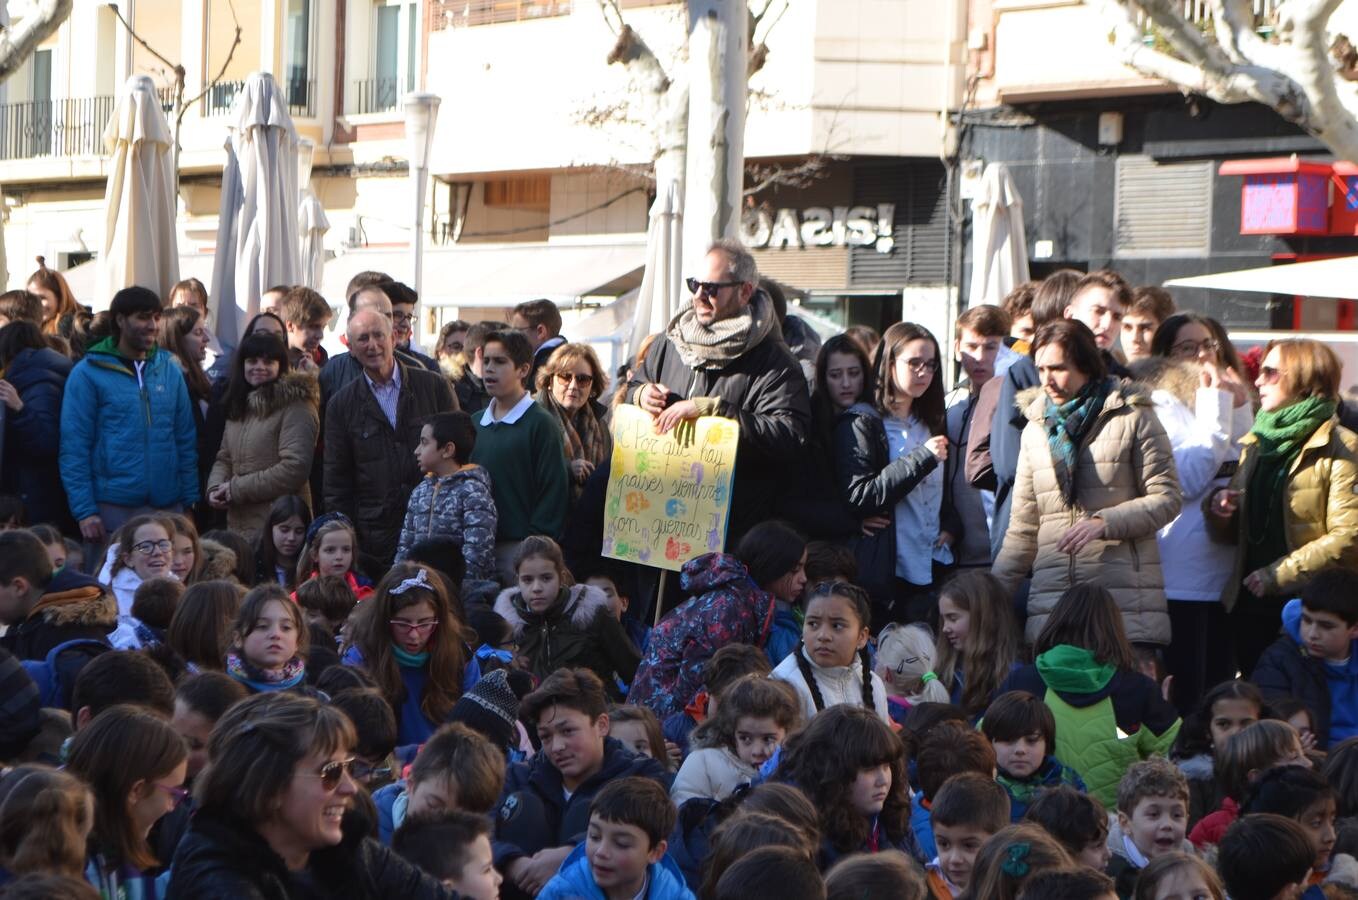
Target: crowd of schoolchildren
1090,637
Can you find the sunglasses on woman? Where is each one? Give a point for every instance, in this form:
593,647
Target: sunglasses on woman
331,773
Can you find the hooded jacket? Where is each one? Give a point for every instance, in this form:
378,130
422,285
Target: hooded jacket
29,467
1106,719
267,453
763,389
575,881
838,684
729,609
458,506
712,772
127,439
577,631
1329,691
74,607
1125,476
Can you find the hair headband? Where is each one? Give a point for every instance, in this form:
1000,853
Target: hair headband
419,580
326,519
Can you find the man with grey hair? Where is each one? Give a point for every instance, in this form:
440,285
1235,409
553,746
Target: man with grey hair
372,427
725,356
342,368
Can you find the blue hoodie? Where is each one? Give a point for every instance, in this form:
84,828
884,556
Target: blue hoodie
575,881
1329,691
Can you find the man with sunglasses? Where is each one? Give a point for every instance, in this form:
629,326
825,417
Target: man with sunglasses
725,356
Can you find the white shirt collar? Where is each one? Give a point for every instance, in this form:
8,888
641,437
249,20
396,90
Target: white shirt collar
510,417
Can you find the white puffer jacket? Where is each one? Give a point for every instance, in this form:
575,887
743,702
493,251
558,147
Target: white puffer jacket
712,772
838,684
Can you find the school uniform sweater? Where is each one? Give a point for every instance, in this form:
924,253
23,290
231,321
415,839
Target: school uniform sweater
524,456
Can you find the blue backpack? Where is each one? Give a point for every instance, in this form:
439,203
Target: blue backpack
55,675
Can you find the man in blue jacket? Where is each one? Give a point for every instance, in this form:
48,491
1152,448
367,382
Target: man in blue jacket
128,442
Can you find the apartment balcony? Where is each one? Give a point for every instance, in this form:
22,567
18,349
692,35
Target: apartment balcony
376,95
301,98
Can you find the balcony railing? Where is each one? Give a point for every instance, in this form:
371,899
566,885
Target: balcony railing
1199,12
301,97
375,95
462,13
54,128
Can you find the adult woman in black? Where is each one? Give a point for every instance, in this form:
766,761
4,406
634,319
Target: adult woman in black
32,379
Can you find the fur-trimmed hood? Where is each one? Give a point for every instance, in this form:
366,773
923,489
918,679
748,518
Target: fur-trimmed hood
219,561
1180,379
294,387
76,599
1033,401
583,602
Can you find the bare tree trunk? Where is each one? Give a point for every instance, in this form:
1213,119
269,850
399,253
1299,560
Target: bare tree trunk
17,44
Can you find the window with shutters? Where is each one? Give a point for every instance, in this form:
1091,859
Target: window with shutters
919,254
1162,209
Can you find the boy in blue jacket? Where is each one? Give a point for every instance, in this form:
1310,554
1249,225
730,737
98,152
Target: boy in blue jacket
544,811
1314,661
623,856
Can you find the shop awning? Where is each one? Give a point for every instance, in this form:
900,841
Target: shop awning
1336,278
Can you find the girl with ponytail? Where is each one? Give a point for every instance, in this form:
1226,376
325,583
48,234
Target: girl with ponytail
832,665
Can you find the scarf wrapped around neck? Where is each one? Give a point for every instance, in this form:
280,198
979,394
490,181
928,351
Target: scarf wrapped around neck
1068,425
717,345
264,680
583,432
1279,436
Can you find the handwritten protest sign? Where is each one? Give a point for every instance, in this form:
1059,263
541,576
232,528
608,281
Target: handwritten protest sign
668,500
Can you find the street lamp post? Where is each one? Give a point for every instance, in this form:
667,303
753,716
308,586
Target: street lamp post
421,111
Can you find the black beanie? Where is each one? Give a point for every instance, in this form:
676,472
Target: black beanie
491,707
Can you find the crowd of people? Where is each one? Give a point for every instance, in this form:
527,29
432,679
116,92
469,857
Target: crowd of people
281,624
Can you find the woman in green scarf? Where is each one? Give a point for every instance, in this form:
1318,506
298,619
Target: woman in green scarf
1291,509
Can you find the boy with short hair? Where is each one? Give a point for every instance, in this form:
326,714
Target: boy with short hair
1151,305
1265,857
949,749
328,601
153,605
623,855
967,810
1314,660
455,498
453,847
1151,822
305,313
455,769
45,609
544,811
375,725
1022,730
520,445
1077,821
606,580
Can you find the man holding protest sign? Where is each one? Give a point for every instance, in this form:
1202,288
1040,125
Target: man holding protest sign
725,356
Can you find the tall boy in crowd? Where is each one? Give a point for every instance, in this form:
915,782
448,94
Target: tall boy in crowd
967,810
305,314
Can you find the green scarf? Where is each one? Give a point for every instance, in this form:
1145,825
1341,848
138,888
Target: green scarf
1280,434
409,660
1067,425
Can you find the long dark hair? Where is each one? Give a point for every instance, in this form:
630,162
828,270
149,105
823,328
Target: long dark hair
254,346
823,410
769,551
1195,735
16,337
1165,336
930,408
266,554
858,598
1088,617
175,326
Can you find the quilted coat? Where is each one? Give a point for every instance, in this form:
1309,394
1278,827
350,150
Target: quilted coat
1124,475
267,453
578,631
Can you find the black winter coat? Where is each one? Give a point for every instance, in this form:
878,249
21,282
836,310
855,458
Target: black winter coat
222,859
765,391
580,633
74,607
1285,671
370,468
29,467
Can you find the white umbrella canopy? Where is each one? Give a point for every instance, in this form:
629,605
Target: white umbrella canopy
999,246
141,245
660,294
258,243
311,220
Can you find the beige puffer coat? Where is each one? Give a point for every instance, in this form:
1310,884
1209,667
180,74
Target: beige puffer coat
267,453
1125,475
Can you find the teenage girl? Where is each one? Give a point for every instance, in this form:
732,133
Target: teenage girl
331,548
905,663
1082,659
409,641
142,549
45,822
852,766
832,666
560,624
186,559
755,715
1225,710
977,641
268,642
1176,875
280,541
1247,755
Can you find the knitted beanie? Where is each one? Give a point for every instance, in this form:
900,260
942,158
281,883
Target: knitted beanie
19,707
491,707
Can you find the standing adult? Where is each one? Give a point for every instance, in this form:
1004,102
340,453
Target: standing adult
540,322
184,335
192,292
403,303
1292,508
1095,481
342,368
569,385
724,356
372,427
128,443
272,419
32,379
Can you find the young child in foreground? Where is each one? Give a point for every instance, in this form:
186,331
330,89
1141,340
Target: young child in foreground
968,809
454,847
1266,857
1152,819
1022,730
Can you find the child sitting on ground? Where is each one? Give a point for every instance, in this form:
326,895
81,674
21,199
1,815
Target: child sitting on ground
1224,711
905,663
1152,818
727,665
831,666
375,725
1303,796
454,847
1077,821
755,716
606,580
967,810
889,874
328,602
153,606
624,850
456,769
1176,875
947,749
639,731
1246,756
1265,857
1022,730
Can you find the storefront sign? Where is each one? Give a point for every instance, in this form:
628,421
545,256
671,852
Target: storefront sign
820,226
668,500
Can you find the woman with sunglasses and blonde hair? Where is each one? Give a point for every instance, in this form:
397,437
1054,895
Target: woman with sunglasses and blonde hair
270,816
1291,510
569,386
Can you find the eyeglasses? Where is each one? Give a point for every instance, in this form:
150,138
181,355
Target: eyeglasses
406,626
177,794
565,378
1270,374
1189,349
487,652
921,366
709,287
402,318
146,548
366,772
331,772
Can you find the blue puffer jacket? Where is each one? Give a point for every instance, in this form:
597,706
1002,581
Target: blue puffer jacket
32,435
123,442
575,881
1330,692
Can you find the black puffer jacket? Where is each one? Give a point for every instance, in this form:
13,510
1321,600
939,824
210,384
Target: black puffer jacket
222,859
370,468
580,632
29,465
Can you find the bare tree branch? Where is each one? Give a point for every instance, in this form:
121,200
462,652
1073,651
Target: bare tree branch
604,7
174,67
17,44
221,73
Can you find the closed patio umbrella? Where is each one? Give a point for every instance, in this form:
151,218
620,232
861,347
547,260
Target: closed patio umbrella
311,220
999,246
660,295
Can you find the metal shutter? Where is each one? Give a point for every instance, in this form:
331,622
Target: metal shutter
1162,209
918,188
809,269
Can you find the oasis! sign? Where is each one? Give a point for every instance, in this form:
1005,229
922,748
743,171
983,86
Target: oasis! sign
820,226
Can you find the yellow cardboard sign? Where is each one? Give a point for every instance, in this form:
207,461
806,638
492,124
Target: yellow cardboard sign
669,495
